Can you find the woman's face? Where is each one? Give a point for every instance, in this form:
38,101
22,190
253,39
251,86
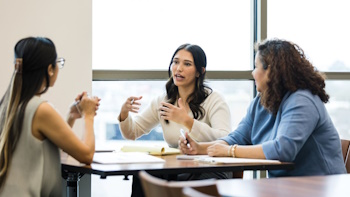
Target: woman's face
183,69
260,75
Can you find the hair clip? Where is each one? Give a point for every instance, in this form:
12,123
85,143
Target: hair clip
18,65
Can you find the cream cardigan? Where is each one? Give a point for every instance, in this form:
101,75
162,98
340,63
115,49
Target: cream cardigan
215,124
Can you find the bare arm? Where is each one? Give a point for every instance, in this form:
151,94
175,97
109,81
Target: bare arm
47,123
250,151
74,110
219,148
244,151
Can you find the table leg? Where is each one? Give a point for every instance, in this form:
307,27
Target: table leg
255,174
72,184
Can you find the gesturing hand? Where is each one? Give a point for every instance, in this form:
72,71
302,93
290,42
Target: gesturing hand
171,112
131,104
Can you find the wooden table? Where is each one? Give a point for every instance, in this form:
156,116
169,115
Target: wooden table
72,171
310,186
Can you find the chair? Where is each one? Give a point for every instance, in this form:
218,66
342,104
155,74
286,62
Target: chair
190,192
154,186
345,144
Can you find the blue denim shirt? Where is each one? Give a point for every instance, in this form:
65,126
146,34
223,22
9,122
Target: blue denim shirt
302,132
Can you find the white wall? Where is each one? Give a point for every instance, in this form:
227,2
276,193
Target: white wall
68,24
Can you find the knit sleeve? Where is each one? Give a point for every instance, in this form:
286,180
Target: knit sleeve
134,127
218,123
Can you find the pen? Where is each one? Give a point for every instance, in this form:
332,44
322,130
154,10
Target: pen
76,103
183,135
132,101
104,151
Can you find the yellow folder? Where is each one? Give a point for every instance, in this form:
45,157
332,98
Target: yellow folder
152,150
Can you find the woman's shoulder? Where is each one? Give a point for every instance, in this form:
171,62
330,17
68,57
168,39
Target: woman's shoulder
214,94
34,103
301,94
214,97
45,109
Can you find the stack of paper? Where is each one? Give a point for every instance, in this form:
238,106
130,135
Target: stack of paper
125,158
236,160
190,157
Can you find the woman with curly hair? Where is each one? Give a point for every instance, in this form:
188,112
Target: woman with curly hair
287,121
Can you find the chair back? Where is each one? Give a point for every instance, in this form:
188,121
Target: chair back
190,192
345,144
153,186
207,187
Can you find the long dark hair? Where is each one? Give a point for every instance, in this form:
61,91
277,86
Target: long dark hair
200,93
290,70
32,59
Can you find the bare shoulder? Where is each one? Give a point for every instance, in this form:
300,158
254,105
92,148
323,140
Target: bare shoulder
41,116
46,114
46,120
45,110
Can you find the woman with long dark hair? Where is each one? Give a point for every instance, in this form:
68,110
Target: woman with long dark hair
287,121
188,103
32,131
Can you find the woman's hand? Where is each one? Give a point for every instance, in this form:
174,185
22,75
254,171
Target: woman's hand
88,105
74,111
131,105
219,150
188,145
177,114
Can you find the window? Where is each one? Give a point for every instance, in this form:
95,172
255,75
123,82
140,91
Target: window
320,29
142,35
138,38
238,94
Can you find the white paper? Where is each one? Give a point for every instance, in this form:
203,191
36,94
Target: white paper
190,157
125,158
235,160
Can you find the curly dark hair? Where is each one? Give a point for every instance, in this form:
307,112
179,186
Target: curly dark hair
289,70
201,91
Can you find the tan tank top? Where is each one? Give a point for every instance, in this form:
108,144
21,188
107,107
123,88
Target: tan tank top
35,168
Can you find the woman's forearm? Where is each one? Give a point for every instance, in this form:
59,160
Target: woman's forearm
70,121
89,137
250,151
203,146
